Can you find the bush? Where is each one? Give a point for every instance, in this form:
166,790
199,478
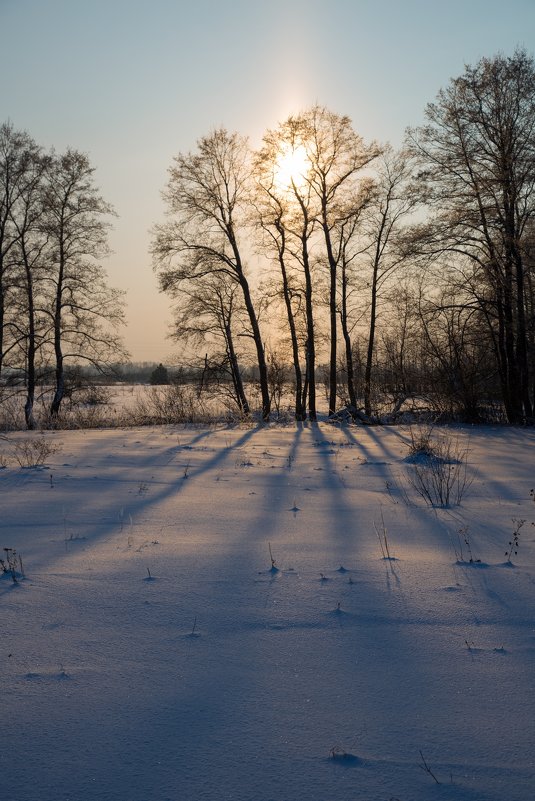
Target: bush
439,472
33,452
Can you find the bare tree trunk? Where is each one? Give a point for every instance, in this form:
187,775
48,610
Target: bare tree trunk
58,350
31,349
310,342
371,343
347,341
241,398
259,345
333,316
300,402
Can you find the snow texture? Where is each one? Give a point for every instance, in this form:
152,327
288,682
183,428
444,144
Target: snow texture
153,651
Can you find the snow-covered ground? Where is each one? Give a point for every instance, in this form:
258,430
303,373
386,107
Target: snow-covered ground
152,654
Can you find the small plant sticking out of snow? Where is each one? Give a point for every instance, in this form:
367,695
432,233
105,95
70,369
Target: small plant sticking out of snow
11,565
274,568
383,539
463,536
295,508
512,546
439,471
425,767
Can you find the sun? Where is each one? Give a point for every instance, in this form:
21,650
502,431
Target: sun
292,167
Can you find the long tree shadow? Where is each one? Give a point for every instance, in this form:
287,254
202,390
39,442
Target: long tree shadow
127,489
220,648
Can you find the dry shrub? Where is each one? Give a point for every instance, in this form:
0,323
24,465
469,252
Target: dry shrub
439,470
164,405
33,452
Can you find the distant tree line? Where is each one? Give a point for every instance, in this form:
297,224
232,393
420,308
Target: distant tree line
408,273
56,308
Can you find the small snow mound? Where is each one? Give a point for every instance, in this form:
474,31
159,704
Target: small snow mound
342,757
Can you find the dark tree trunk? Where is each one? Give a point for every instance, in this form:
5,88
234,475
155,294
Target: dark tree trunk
241,398
310,342
300,402
259,345
31,350
371,345
347,341
58,350
333,316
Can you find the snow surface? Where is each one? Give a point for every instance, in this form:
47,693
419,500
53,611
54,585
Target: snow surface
329,678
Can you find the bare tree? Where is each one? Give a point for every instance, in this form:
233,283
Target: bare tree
205,198
350,246
393,201
477,163
81,305
18,155
29,263
206,313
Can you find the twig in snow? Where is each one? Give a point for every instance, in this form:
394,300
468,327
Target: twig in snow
425,767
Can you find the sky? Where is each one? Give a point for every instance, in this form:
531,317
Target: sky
134,83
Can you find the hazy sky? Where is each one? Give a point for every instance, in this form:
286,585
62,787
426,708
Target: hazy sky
132,83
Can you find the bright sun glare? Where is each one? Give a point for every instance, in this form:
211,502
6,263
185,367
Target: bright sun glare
292,165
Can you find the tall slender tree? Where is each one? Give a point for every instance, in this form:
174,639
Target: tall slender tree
392,204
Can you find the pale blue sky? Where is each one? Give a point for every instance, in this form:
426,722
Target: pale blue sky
132,83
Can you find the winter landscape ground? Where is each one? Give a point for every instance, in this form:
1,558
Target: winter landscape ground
150,650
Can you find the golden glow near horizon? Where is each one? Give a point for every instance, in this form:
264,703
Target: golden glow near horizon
292,167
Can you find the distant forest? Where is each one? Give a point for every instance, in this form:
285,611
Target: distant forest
317,272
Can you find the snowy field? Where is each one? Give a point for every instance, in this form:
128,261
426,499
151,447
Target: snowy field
151,652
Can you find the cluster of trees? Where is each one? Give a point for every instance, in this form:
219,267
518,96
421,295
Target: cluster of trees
316,257
410,269
55,305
